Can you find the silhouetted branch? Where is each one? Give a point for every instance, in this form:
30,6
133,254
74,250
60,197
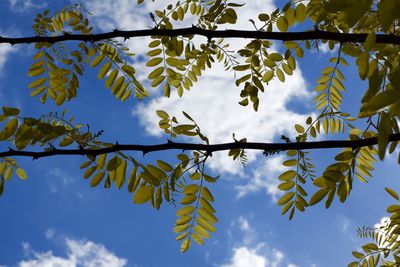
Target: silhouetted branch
354,144
283,36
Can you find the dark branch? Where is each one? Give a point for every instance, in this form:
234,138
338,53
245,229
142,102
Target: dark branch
354,144
283,36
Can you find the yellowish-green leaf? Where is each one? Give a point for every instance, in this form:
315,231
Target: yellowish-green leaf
96,179
186,245
300,12
318,196
111,78
188,199
143,194
287,175
282,24
103,71
289,162
392,193
37,83
191,189
97,60
184,211
207,194
21,173
285,198
9,129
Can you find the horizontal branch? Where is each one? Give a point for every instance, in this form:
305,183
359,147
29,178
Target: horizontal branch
283,36
354,144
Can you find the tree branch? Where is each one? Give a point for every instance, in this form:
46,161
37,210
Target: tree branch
283,36
354,144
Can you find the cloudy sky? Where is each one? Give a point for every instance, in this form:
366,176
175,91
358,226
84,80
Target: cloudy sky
55,219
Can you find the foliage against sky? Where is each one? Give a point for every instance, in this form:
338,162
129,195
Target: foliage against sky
215,111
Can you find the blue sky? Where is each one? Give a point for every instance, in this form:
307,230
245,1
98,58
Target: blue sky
55,217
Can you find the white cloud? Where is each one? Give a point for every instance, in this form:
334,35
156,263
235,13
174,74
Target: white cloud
58,178
345,224
244,257
241,226
5,50
383,222
263,177
247,252
213,103
382,227
127,15
25,5
79,253
243,223
50,233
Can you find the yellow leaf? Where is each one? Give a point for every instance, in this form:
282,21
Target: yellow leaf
103,71
143,194
186,245
363,65
184,211
282,24
111,78
37,83
9,129
21,173
300,12
97,60
97,179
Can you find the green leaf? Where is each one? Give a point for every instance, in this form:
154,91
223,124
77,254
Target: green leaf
143,194
111,78
300,129
10,111
201,231
318,196
154,62
386,12
37,83
186,245
188,199
97,60
184,211
287,175
21,173
285,198
300,12
207,215
290,163
207,194
363,65
392,193
103,71
286,185
97,178
282,24
280,75
162,114
164,166
9,129
191,189
205,224
113,163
